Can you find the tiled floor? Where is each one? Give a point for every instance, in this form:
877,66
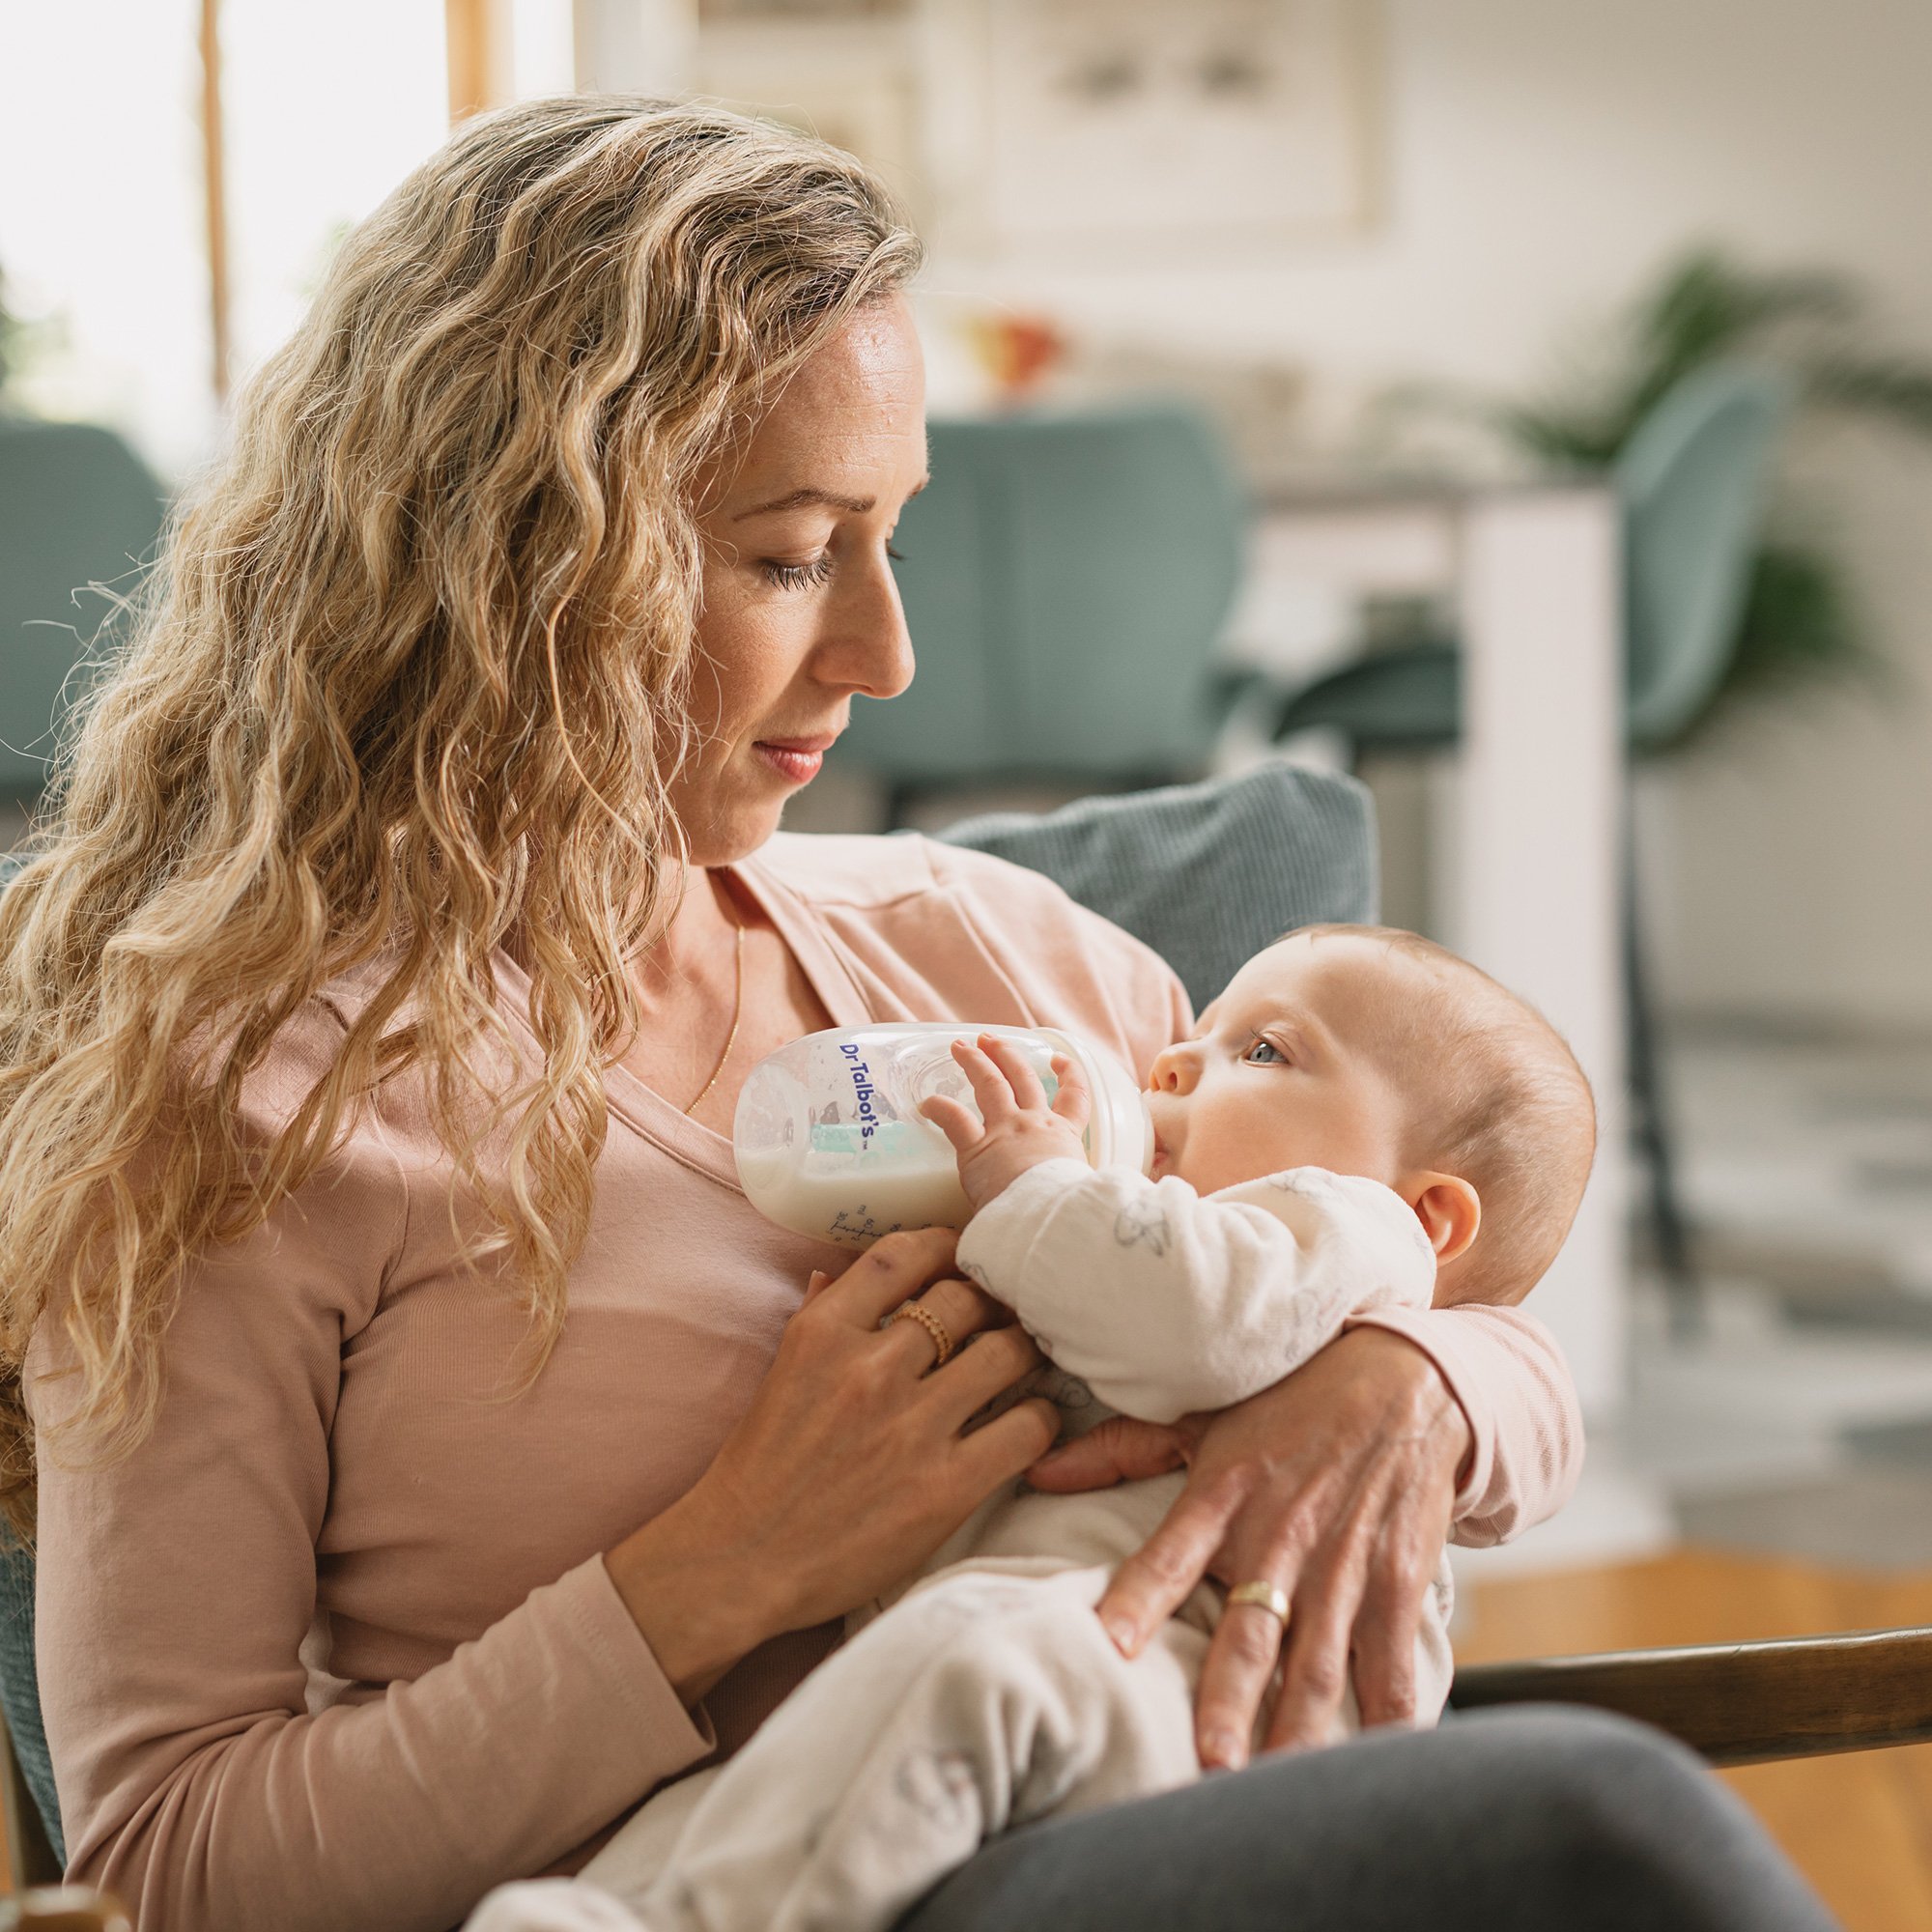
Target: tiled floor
1801,1420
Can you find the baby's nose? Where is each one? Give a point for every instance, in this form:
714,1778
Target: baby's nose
1168,1071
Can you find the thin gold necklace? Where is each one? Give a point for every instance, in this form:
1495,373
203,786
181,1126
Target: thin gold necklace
731,1037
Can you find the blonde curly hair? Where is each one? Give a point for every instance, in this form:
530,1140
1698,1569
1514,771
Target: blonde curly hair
410,681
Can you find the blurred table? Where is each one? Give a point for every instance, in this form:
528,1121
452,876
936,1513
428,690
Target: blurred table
1535,576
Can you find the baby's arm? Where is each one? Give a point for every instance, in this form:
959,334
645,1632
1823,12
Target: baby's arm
1162,1301
1165,1302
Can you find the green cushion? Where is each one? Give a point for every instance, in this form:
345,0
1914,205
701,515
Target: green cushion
21,1690
1207,873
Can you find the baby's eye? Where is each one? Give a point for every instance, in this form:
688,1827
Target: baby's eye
1263,1052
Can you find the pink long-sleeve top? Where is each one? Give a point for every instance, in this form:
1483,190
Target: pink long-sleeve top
335,1644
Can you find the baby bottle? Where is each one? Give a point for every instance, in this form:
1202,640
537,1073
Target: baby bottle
831,1142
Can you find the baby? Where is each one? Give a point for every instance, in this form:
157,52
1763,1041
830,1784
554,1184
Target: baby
1360,1120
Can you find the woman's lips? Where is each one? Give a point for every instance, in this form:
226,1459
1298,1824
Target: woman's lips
795,759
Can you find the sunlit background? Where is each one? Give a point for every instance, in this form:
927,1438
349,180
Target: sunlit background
1420,279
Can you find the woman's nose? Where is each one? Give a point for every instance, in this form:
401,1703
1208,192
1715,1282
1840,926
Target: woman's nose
870,651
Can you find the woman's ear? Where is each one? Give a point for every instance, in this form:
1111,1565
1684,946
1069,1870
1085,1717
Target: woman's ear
1449,1210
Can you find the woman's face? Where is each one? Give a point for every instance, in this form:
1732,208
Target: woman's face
800,608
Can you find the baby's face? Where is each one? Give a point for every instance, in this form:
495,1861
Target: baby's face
1276,1075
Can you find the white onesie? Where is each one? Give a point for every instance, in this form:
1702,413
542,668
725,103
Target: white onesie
982,1692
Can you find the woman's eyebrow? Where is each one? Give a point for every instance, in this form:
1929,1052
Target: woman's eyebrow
810,493
797,500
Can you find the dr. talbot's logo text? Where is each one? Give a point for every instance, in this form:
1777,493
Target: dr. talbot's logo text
863,1089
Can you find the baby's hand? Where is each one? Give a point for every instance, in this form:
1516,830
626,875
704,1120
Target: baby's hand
1017,1128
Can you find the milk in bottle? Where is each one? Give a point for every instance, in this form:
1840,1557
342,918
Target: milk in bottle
830,1141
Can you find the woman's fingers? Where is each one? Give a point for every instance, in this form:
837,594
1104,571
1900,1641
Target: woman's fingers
959,1308
1384,1646
893,1269
1235,1676
973,1378
1154,1581
1315,1655
998,1452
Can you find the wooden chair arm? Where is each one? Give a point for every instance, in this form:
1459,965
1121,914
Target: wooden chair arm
1740,1703
66,1908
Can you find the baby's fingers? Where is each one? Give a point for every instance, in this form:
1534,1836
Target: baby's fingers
991,1088
959,1122
1074,1102
1023,1082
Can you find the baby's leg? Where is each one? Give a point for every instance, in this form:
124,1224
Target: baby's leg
979,1702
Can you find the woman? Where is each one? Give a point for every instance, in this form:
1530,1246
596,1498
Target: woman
434,1453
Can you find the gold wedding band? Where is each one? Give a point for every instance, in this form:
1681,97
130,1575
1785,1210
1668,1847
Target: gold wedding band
1268,1597
931,1322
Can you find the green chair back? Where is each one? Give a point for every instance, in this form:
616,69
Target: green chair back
1692,483
1065,578
78,506
1693,480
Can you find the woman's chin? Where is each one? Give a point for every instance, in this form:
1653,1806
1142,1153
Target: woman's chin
733,829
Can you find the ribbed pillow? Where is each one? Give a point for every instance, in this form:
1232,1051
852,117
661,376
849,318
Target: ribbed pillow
1207,874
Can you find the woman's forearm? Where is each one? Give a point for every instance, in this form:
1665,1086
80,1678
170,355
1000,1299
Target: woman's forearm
699,1606
402,1811
1526,1429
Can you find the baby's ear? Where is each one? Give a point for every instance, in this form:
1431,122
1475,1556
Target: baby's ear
1449,1210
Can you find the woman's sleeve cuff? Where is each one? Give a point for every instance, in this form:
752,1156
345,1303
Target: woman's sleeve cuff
1525,1426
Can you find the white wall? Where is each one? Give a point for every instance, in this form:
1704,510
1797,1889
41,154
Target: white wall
1546,155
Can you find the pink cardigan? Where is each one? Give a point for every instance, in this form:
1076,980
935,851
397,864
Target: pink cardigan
335,1645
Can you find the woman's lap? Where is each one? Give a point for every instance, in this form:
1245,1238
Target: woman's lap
1510,1821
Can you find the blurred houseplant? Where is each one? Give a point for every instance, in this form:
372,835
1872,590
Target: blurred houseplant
1802,619
26,345
13,338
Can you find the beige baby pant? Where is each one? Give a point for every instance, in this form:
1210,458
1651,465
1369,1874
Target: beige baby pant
981,1699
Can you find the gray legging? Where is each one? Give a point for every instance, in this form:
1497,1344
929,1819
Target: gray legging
1531,1820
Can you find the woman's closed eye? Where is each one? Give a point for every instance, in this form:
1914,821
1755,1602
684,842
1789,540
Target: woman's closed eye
808,576
797,576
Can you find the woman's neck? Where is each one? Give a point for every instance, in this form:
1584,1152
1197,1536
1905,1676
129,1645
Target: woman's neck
713,1005
703,928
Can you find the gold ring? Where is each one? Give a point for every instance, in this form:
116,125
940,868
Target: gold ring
931,1322
1268,1597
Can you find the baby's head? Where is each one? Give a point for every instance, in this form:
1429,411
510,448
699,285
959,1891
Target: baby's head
1374,1052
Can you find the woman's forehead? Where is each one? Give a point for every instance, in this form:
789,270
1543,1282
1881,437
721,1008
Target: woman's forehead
854,409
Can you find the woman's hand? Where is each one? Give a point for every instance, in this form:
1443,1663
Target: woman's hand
848,1469
1336,1485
